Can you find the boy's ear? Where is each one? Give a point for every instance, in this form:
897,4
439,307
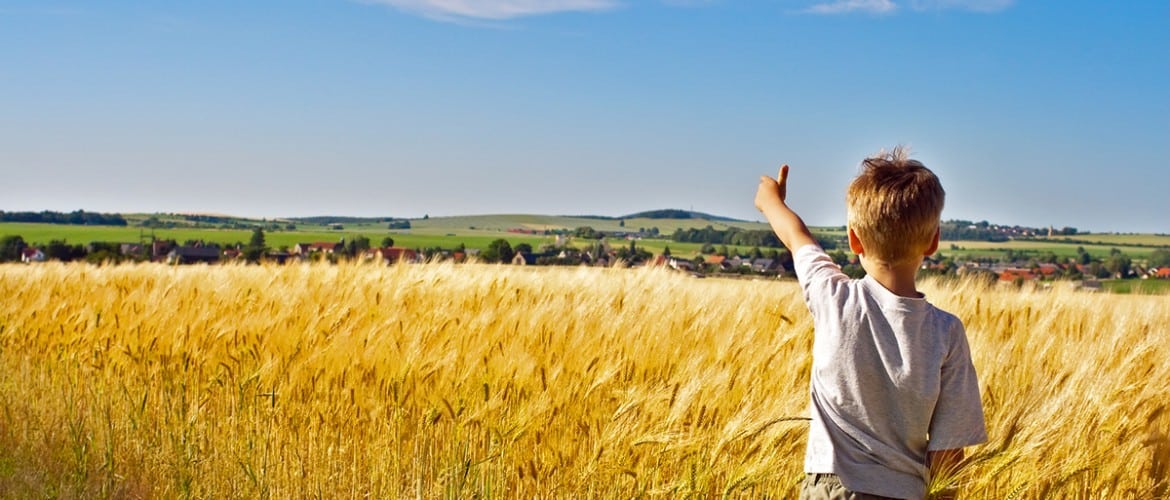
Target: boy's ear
855,243
933,243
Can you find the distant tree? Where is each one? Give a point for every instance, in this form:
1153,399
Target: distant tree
498,251
707,249
1118,264
1083,257
256,247
10,248
356,245
853,271
587,232
257,239
756,253
666,251
523,248
840,258
63,251
622,223
100,252
1160,257
786,259
387,242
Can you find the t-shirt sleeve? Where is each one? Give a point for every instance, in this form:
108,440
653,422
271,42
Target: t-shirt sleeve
820,278
958,415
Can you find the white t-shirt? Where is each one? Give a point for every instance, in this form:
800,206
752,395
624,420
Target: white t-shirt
891,378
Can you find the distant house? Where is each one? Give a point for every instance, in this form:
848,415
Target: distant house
131,248
391,255
737,261
193,255
763,265
159,250
524,259
1014,273
1161,272
317,247
32,254
1048,270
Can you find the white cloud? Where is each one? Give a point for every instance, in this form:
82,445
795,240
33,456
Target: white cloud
495,9
889,6
848,6
972,5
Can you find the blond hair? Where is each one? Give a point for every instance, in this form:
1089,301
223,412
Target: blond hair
894,206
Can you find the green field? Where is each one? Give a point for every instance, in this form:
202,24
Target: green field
504,222
473,231
38,234
478,231
423,237
992,249
1157,240
1138,287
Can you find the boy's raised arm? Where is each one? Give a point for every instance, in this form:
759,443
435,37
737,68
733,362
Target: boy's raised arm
787,225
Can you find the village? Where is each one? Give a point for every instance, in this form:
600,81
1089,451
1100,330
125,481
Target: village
585,247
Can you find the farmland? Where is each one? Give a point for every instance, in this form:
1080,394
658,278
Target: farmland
478,231
975,249
461,381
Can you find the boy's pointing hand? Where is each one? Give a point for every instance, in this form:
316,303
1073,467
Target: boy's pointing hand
772,191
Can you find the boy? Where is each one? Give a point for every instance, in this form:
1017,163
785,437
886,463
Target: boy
893,392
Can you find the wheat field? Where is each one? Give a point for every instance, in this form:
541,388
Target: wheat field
478,381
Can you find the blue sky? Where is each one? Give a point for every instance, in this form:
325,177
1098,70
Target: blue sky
1034,113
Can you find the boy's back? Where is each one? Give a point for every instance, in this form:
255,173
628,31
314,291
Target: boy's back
888,373
892,384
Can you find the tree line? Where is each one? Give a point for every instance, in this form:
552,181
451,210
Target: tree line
78,217
735,236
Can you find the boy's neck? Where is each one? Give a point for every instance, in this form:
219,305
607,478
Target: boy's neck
897,278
